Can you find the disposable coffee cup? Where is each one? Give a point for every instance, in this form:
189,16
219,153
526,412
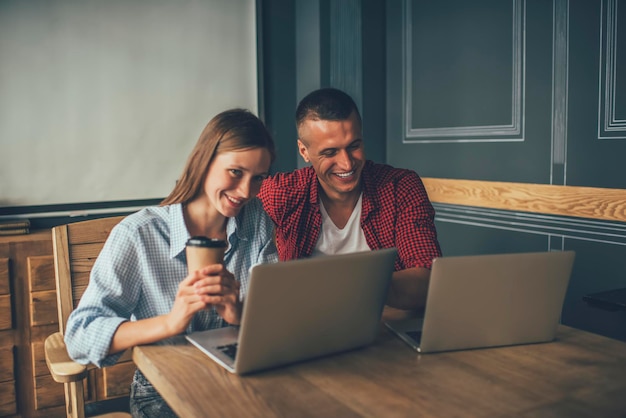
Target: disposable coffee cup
203,251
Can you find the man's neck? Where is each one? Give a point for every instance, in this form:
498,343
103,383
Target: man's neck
339,208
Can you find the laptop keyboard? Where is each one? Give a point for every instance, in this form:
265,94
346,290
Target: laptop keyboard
229,349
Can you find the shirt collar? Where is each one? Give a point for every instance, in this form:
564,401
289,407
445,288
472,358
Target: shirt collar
233,233
237,226
315,193
368,190
178,230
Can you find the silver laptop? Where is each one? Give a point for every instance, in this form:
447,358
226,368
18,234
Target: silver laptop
302,309
490,300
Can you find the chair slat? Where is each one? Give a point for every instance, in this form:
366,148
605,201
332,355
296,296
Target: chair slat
88,251
96,230
81,266
62,274
76,247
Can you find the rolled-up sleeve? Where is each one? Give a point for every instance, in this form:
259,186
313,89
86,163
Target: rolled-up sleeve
416,235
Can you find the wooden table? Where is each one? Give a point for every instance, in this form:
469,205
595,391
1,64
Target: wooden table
578,375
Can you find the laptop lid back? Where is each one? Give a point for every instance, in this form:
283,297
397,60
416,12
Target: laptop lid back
307,308
495,300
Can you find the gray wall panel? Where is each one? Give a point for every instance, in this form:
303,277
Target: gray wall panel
464,142
595,155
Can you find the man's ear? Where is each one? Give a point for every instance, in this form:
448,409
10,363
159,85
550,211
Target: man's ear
304,152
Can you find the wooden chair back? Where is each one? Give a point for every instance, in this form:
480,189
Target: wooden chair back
76,247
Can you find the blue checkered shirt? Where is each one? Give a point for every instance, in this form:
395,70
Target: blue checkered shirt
137,273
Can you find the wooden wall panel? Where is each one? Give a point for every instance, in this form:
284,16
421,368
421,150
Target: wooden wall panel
5,312
4,276
39,359
6,364
583,202
116,379
41,273
43,308
48,393
8,405
43,300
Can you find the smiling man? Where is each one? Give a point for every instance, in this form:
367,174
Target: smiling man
344,203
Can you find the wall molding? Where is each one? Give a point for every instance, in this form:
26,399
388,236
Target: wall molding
609,126
560,76
571,201
513,132
557,229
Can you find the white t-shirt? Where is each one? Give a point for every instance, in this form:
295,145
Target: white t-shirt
333,240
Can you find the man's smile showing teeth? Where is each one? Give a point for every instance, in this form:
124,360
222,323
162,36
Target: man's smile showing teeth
344,175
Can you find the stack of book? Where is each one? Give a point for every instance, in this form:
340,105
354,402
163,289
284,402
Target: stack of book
15,227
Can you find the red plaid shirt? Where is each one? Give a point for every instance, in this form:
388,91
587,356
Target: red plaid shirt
396,213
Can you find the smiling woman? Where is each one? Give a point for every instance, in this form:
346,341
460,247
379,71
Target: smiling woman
234,178
102,101
141,290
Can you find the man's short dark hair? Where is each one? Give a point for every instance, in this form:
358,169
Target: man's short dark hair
326,104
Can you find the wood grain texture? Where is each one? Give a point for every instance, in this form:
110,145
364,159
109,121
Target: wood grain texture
5,289
123,371
39,359
389,379
76,247
41,273
65,301
43,308
47,393
28,256
62,368
6,364
6,319
92,231
8,406
581,202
